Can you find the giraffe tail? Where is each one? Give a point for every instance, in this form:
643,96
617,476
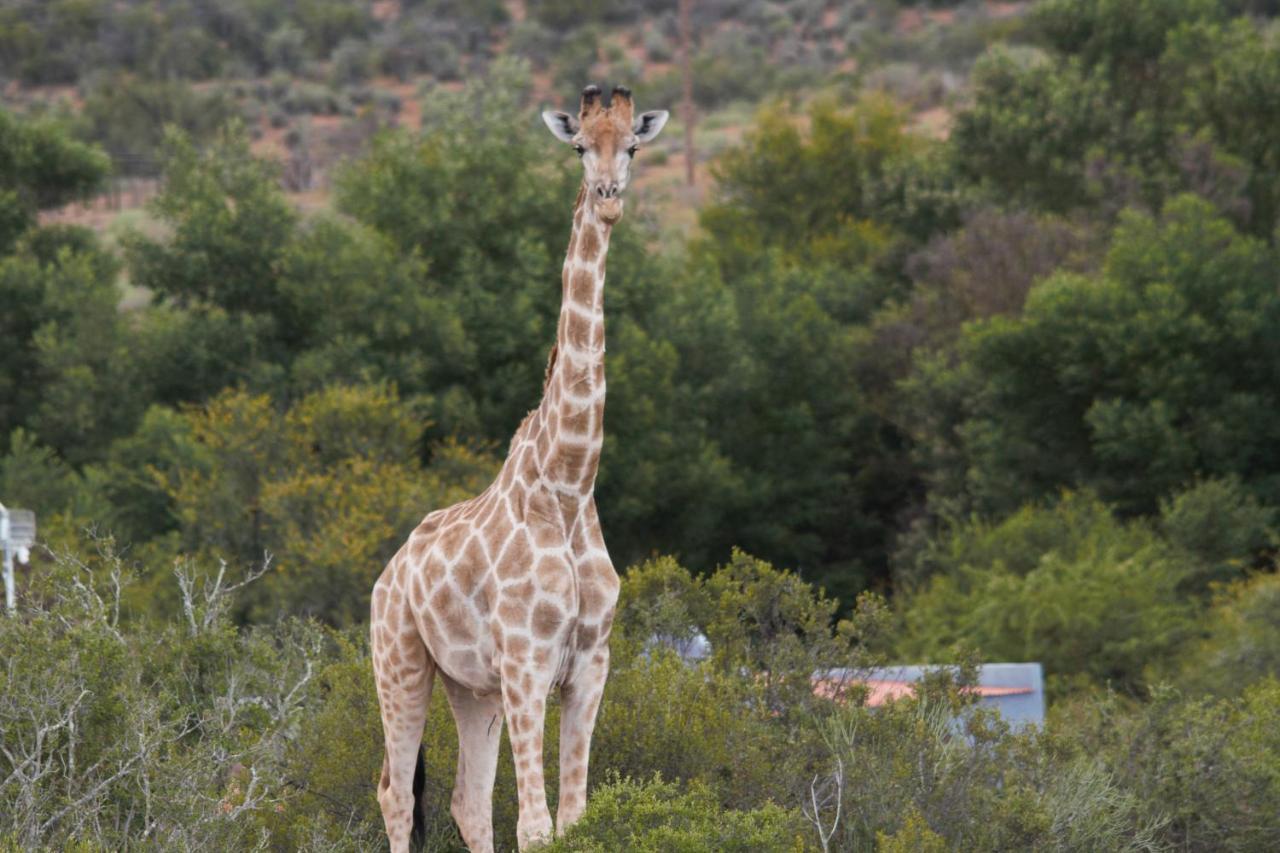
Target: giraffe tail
419,835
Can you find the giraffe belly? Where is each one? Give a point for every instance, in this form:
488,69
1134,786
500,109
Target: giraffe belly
471,665
453,621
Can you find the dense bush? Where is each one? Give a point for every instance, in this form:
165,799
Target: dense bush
183,730
172,732
40,167
1203,772
1132,382
911,776
1241,643
1070,585
656,817
1115,114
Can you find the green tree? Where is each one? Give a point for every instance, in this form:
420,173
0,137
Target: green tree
1241,642
1133,382
1202,771
67,370
230,225
41,167
658,816
483,198
356,308
835,192
1135,103
329,490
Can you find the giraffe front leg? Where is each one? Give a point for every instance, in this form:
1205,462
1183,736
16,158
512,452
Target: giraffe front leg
580,701
524,699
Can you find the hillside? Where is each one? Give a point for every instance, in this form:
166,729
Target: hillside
315,83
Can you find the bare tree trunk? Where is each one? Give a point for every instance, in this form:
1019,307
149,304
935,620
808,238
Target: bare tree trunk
686,106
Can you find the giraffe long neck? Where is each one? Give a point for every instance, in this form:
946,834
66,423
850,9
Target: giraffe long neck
572,408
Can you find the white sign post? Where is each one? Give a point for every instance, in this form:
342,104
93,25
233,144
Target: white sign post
17,535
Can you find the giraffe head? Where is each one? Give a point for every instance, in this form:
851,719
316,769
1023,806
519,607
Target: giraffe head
606,138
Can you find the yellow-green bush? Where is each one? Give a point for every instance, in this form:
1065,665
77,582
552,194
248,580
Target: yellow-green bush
660,817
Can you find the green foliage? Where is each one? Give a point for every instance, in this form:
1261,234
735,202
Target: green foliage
1241,645
1204,772
983,269
657,816
1118,37
358,310
271,736
910,775
1134,382
737,722
100,715
1222,525
67,368
772,622
776,342
1232,93
685,722
337,757
757,618
1094,599
229,225
66,40
777,189
40,167
328,491
1136,103
476,202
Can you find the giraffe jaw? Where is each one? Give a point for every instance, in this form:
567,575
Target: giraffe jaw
609,210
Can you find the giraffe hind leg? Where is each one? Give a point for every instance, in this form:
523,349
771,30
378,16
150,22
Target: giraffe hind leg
404,673
479,721
580,702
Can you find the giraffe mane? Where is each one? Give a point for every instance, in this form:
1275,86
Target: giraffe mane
551,365
546,380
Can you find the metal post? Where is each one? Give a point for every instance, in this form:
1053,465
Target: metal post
686,106
9,603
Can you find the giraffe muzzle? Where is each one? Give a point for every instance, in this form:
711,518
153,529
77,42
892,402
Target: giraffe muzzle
609,209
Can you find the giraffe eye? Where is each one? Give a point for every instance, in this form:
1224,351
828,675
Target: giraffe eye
631,152
580,150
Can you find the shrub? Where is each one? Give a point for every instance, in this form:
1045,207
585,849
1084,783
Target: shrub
1203,772
1241,645
1222,525
330,492
758,619
352,61
1069,585
657,817
927,774
115,731
534,42
690,723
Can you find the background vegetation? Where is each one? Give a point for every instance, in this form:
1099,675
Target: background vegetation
972,323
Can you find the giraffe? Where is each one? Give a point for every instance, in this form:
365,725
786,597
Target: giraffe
511,593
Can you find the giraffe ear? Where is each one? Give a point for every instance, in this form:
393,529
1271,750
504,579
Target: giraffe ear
649,125
563,126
